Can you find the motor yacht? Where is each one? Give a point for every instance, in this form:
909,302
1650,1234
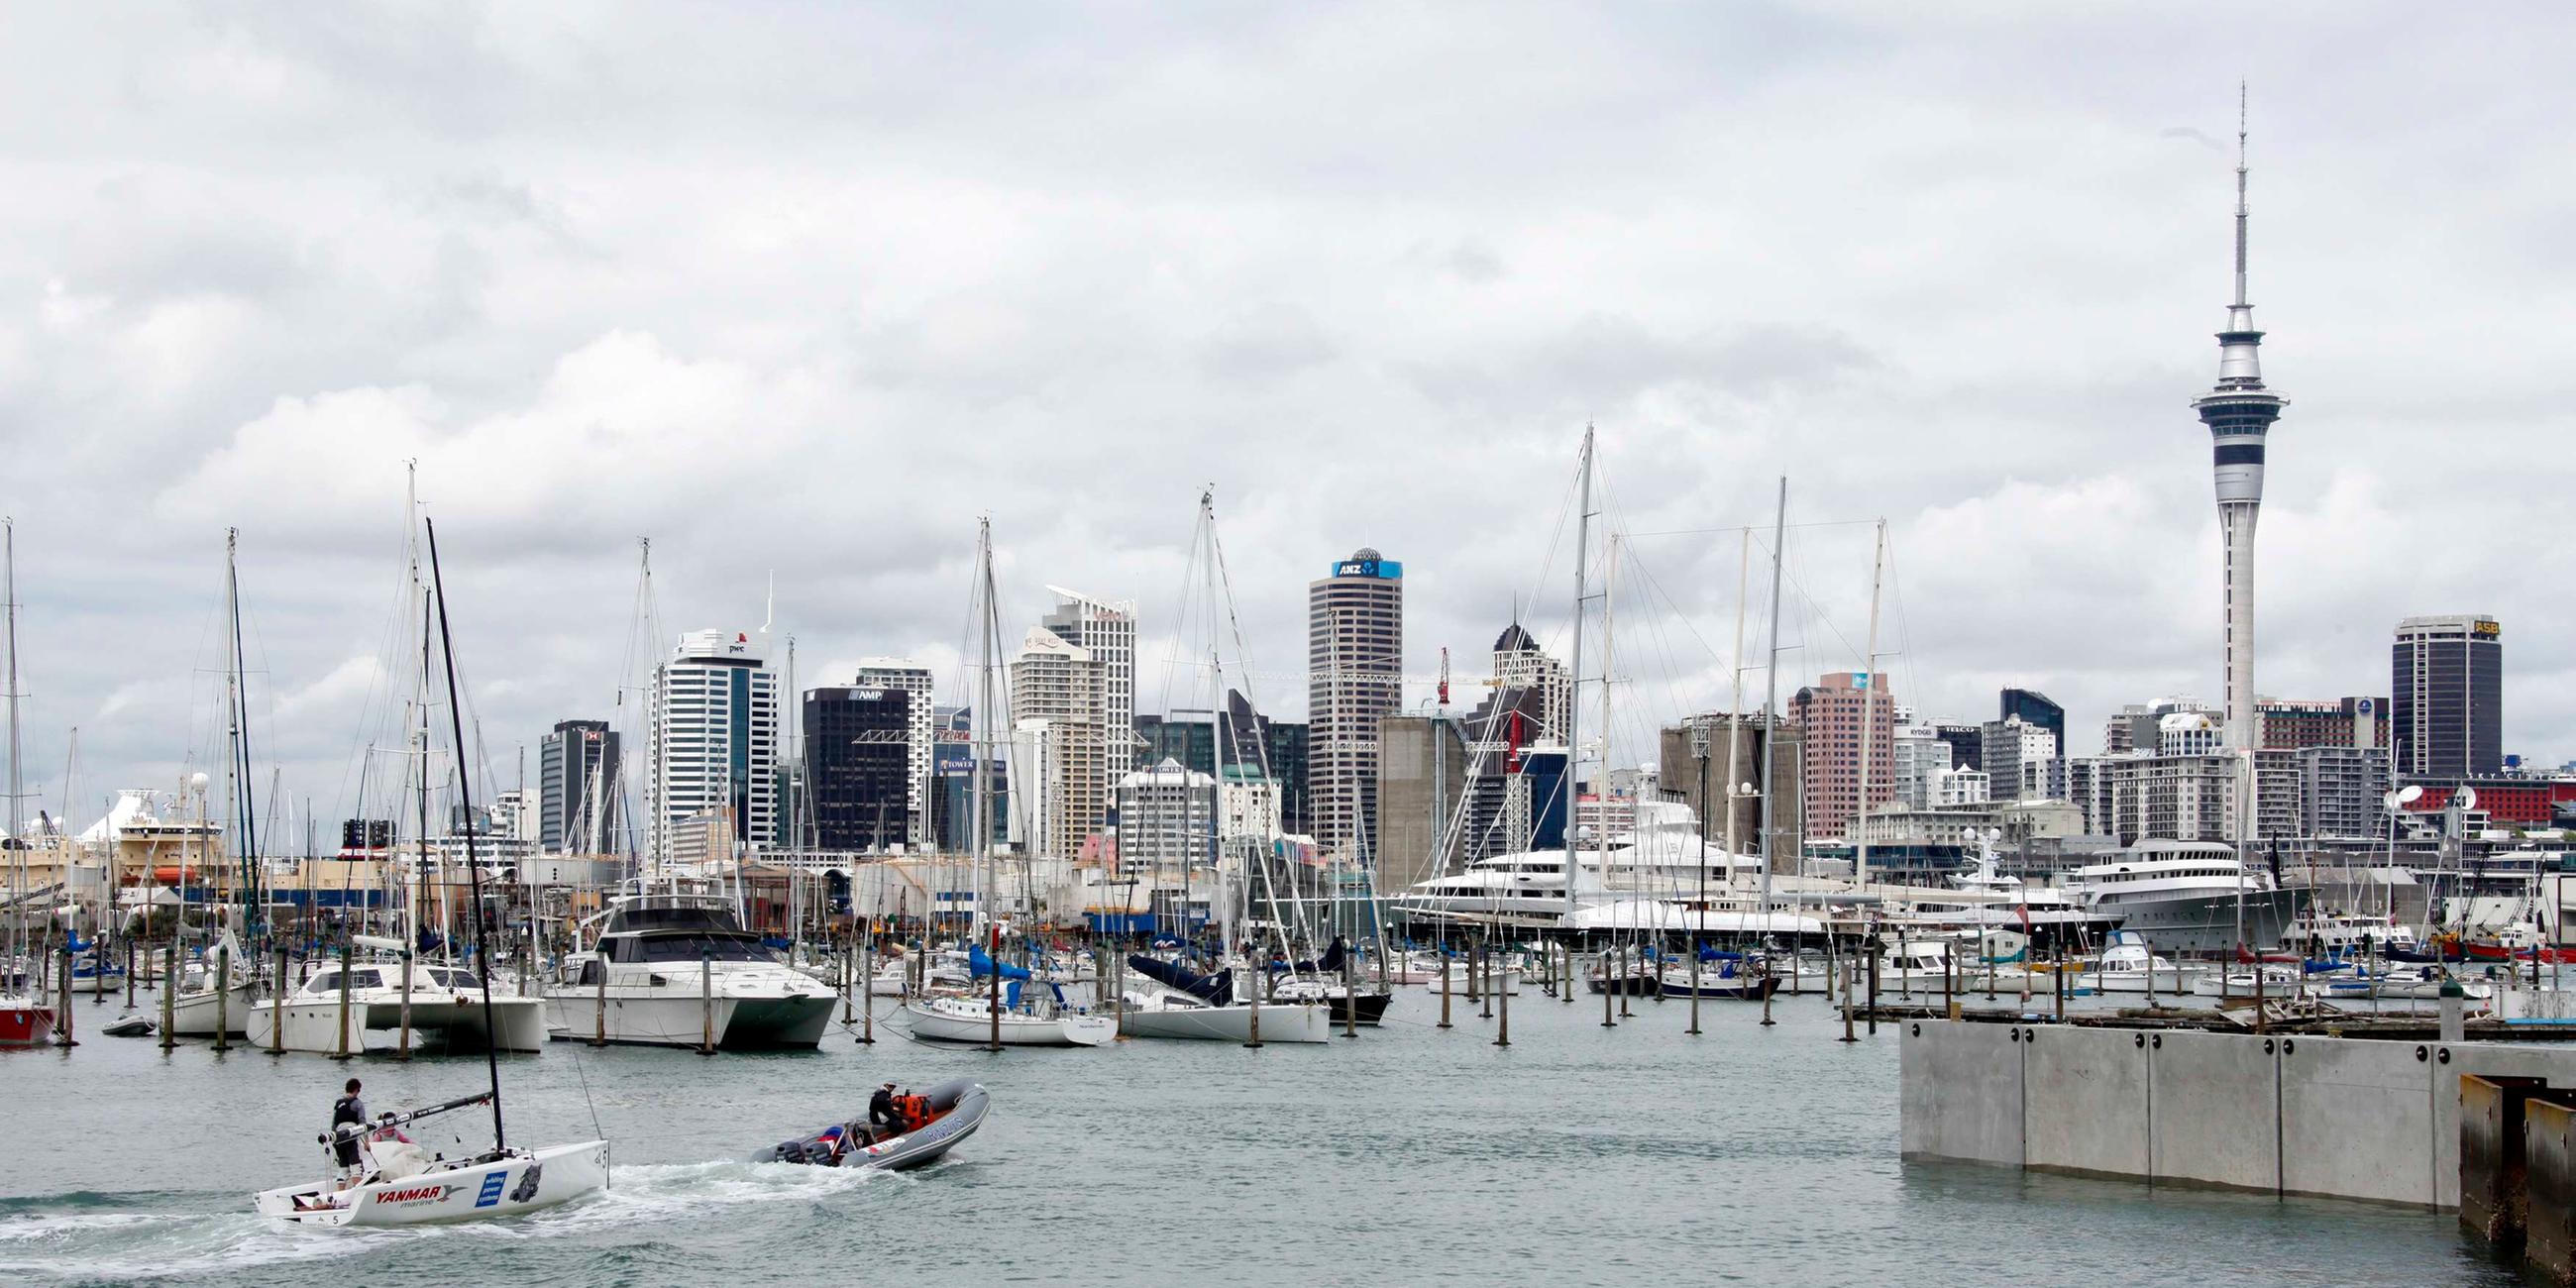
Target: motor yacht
678,969
2188,896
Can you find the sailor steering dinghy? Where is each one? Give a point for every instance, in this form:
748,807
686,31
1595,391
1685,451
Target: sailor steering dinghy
394,1184
402,1185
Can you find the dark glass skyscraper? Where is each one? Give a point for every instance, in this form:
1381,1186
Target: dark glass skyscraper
577,788
2034,708
2446,696
858,760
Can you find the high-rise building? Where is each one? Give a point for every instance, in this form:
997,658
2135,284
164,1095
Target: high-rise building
1455,787
1519,663
1835,714
914,679
1107,631
2343,722
2034,708
2088,788
714,746
1166,819
858,767
1059,750
1739,741
1260,749
2341,790
952,784
1920,757
1355,666
2178,798
2239,413
2023,761
1967,744
2446,696
577,788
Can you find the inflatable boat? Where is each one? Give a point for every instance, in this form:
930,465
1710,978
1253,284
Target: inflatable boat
940,1117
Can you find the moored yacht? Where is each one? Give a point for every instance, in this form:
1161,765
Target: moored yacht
443,1007
2184,896
676,969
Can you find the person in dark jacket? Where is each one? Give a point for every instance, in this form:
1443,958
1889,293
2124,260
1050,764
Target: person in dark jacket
883,1118
347,1110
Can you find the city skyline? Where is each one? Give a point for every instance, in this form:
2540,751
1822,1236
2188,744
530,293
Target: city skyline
166,362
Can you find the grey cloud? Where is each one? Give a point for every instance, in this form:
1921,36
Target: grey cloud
805,289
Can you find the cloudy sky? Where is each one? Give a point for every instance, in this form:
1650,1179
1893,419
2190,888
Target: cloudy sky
802,291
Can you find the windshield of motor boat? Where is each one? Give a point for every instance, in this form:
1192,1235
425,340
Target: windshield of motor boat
669,914
737,946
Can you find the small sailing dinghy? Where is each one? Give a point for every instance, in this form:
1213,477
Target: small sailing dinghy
933,1123
399,1183
392,1183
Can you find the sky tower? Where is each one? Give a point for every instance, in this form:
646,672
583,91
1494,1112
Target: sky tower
2239,413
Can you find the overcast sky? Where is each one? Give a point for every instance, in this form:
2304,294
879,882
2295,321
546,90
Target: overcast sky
805,290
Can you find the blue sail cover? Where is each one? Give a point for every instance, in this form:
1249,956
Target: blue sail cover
982,965
1215,990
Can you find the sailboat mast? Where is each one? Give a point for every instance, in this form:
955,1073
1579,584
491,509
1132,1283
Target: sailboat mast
1771,691
1735,704
9,824
473,869
420,747
246,803
1573,785
232,714
1868,710
1601,793
980,735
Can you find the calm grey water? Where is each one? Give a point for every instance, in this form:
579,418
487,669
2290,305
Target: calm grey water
1578,1155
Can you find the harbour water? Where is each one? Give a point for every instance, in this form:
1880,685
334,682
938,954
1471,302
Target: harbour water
1578,1155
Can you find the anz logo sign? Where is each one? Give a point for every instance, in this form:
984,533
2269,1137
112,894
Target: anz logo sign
1383,569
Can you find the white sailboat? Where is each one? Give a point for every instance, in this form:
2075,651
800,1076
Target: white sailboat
25,1019
1032,1017
395,1185
402,1185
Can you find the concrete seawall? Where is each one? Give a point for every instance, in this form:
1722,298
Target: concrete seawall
2337,1117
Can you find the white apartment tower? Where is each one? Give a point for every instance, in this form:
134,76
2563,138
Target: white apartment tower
1060,780
714,748
914,679
1354,677
1106,630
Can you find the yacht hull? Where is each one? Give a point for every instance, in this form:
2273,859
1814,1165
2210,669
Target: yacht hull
1280,1022
942,1025
477,1191
192,1015
25,1024
740,1023
517,1024
2206,923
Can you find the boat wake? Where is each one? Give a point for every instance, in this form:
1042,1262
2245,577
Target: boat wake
89,1237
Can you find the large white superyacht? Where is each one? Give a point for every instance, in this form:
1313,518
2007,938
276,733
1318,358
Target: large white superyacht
2183,896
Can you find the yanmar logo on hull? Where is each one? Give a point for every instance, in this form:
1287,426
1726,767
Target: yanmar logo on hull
415,1194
